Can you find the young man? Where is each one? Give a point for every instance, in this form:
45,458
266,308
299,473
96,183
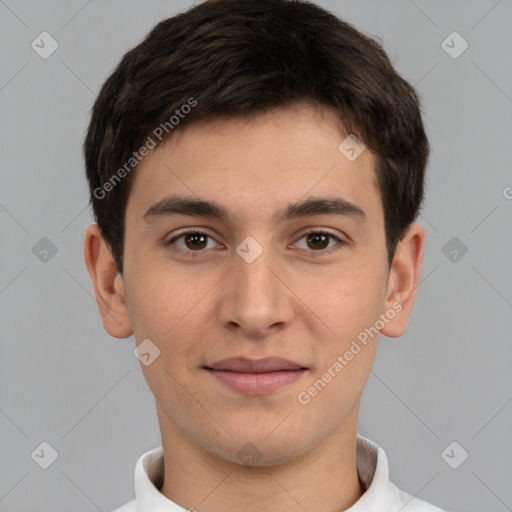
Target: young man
256,168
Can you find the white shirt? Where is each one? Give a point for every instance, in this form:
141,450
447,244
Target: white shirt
372,465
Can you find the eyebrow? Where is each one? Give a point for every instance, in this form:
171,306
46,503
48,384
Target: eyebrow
182,205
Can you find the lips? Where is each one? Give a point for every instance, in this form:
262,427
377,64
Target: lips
256,376
246,365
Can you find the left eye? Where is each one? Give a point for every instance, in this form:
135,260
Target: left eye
319,240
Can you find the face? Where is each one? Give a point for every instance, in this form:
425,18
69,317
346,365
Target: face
260,276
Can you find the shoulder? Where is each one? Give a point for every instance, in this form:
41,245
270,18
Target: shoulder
131,506
412,504
381,493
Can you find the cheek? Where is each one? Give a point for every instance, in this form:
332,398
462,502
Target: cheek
161,298
346,299
172,309
167,311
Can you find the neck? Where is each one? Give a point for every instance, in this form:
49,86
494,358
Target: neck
322,479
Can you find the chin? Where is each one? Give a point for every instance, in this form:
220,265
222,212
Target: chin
259,449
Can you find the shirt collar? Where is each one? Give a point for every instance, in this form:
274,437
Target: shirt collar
372,466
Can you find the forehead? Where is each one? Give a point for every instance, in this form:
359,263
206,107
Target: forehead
258,163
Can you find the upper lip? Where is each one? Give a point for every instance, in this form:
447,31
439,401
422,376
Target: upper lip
247,365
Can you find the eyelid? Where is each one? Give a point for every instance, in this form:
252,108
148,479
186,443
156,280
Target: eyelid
191,231
324,231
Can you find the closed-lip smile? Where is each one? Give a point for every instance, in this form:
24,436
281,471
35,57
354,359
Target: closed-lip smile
256,376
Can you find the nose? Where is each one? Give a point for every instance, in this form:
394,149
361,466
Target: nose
255,297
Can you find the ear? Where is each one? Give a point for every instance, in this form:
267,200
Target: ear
403,280
108,284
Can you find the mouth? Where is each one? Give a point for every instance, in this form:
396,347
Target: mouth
256,376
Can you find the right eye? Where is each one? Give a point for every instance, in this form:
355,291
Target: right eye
193,240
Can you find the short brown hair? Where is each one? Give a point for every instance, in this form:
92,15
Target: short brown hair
241,58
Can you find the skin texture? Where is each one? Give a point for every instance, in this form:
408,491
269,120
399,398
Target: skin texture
295,301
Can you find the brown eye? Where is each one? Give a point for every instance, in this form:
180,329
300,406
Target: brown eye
192,241
195,240
318,240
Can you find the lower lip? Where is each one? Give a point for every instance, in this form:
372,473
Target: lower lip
257,383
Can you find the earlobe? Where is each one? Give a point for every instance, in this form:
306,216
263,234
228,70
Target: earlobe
108,284
404,280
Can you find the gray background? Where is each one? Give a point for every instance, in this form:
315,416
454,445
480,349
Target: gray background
65,381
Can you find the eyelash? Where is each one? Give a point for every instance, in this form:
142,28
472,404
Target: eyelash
320,252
